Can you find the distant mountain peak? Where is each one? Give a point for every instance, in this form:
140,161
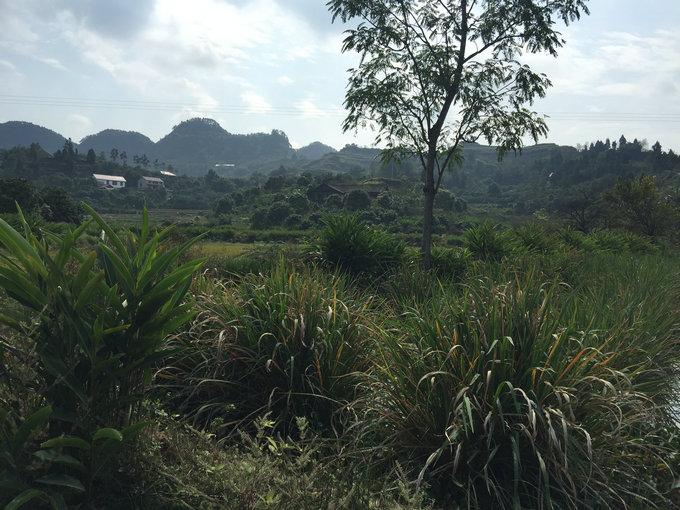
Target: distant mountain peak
314,150
18,132
199,124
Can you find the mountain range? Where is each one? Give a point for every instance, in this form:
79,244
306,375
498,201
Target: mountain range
196,146
192,147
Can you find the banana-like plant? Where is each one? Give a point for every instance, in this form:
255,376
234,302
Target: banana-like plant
97,321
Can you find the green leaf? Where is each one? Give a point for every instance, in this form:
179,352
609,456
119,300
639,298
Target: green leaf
60,458
66,442
83,275
58,368
117,270
20,248
64,251
107,433
23,498
133,430
105,365
32,422
21,288
62,480
12,322
85,296
111,234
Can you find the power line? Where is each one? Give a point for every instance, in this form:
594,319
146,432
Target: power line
122,104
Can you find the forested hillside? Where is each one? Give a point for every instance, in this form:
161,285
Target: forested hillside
192,147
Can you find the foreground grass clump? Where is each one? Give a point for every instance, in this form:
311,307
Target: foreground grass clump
507,398
288,342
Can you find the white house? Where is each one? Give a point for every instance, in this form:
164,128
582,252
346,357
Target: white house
150,183
109,181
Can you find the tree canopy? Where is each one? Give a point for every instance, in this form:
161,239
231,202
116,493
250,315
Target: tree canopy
435,74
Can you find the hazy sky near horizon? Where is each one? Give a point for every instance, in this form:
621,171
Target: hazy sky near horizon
81,66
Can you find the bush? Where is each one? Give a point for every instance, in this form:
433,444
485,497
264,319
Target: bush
294,221
531,238
357,200
450,262
277,213
346,242
485,242
282,343
224,206
500,399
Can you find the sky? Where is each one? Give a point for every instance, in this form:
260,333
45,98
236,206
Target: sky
81,66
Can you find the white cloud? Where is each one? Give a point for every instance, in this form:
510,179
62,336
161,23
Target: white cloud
308,108
8,67
78,125
614,64
255,103
53,62
285,80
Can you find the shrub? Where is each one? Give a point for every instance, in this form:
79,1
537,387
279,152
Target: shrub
223,206
333,202
283,343
532,238
450,262
293,221
346,242
357,200
278,212
607,241
485,242
500,399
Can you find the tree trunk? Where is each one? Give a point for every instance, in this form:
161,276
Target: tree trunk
429,192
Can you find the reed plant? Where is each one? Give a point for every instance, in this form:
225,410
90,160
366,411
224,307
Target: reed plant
486,242
506,398
288,342
89,328
347,243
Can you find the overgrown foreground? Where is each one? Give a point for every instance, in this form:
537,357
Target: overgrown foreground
528,371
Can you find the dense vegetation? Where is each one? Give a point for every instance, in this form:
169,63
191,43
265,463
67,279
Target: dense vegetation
545,182
530,369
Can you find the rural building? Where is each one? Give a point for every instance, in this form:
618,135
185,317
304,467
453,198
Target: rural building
323,191
150,183
109,181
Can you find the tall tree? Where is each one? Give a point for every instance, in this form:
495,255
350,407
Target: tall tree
639,206
435,74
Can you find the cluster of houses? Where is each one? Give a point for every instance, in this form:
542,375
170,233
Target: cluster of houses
117,182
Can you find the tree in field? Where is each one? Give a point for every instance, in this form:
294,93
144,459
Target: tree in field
638,205
435,74
17,191
58,206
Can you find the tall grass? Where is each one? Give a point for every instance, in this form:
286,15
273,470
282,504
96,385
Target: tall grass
288,343
346,242
505,389
507,398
